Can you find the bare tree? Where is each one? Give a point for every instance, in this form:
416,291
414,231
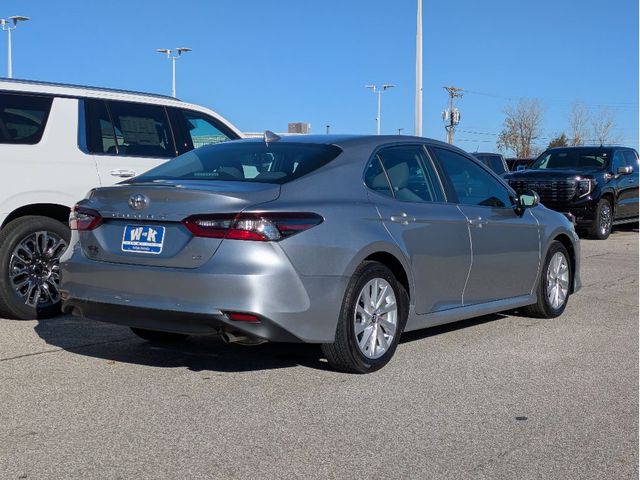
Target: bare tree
522,126
602,126
578,123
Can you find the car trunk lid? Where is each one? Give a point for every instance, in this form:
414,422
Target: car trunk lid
142,222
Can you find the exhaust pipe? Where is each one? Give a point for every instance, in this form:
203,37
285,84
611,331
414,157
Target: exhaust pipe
231,337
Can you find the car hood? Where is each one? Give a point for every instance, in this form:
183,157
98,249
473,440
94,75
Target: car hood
553,173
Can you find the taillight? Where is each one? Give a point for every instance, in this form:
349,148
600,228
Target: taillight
82,218
262,227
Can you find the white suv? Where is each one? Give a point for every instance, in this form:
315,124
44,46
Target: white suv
56,143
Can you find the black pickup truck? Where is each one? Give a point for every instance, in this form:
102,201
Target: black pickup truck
597,187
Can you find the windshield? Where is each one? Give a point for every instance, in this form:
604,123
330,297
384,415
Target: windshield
571,159
245,162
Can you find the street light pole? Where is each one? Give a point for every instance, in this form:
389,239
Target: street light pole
379,91
418,106
6,25
173,55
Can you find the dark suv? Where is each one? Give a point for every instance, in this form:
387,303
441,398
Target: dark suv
596,186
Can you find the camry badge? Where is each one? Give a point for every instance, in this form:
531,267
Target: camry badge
138,202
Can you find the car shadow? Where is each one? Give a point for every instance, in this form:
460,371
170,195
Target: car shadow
197,353
117,344
449,327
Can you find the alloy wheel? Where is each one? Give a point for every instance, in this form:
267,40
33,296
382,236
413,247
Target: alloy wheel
605,219
557,280
34,268
375,319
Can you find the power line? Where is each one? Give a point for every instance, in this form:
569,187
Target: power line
615,105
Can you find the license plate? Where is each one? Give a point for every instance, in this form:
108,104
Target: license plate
143,239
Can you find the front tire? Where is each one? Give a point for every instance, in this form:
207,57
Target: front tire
30,251
554,284
372,318
602,224
155,336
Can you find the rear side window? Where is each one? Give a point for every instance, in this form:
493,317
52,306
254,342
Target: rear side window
128,129
245,162
408,172
194,129
100,134
23,118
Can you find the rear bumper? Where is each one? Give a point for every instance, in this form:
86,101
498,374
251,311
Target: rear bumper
179,322
248,277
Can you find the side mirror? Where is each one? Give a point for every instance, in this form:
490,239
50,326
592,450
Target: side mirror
528,199
626,170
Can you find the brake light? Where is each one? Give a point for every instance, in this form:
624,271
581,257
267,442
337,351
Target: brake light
83,219
242,317
262,227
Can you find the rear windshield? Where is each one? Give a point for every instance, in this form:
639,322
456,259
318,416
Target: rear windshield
245,162
570,159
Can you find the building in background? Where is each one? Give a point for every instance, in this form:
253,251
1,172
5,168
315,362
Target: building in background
299,127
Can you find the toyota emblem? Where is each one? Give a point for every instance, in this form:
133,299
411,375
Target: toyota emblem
138,202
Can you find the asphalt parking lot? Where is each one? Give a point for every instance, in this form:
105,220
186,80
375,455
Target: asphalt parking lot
501,396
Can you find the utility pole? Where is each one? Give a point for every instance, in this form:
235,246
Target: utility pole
418,100
451,116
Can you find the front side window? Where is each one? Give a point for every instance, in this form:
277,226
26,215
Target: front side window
245,162
617,162
472,184
202,130
631,159
141,130
407,173
23,118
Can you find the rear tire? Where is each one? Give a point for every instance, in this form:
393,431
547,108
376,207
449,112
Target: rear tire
29,266
372,318
556,273
155,336
603,223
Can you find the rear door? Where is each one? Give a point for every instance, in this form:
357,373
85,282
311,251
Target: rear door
127,138
505,246
433,234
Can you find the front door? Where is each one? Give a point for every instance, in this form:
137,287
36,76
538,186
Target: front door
433,234
505,246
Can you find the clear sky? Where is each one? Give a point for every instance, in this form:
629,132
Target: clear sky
263,63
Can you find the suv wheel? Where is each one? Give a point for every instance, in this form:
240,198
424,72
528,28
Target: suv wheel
373,315
554,284
601,228
30,251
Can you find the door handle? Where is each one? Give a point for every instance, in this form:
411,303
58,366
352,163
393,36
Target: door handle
478,222
402,218
123,173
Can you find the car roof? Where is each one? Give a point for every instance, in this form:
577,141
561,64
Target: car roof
71,90
357,140
84,91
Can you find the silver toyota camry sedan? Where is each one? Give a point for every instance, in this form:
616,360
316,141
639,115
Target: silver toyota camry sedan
344,241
